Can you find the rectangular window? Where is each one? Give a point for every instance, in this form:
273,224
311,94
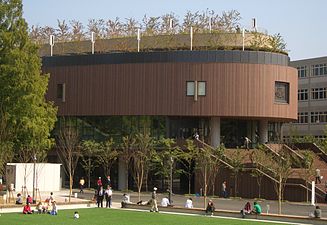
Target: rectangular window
201,88
190,88
302,71
303,94
318,117
318,93
61,92
302,117
319,69
282,92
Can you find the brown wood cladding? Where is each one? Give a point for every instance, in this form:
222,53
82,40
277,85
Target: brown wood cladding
232,89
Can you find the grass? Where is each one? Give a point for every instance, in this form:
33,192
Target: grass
95,216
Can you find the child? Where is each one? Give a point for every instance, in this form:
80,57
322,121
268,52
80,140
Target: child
39,208
54,210
76,215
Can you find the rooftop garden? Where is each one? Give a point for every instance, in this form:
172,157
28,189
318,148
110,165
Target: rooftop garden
205,30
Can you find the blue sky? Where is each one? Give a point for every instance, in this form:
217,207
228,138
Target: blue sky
302,23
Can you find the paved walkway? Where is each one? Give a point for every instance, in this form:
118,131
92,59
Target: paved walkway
82,201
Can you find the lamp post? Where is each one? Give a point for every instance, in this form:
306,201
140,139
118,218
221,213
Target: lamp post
170,192
34,163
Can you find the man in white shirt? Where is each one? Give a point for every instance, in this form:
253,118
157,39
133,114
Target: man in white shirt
165,202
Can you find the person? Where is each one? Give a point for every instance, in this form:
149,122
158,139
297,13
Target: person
318,176
100,195
246,210
76,215
19,199
50,199
54,210
125,200
196,136
317,212
210,208
81,185
27,209
39,208
247,142
29,199
108,180
99,182
238,29
224,189
189,203
154,206
256,208
165,202
108,196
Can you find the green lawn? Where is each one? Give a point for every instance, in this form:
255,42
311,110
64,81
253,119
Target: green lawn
94,216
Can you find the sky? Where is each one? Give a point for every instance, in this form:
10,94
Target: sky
302,23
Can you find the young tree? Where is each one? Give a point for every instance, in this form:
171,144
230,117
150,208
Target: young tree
24,112
187,158
107,155
141,156
277,43
90,149
68,150
309,170
127,148
236,161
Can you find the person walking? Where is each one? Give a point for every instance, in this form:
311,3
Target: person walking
154,206
81,185
108,196
224,189
318,176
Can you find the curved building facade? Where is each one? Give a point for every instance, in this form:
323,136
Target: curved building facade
246,91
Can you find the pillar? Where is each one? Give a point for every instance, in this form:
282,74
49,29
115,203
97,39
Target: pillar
122,173
215,131
263,131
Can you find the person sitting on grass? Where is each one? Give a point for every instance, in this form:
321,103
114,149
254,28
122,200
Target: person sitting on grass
210,208
27,209
40,208
316,213
19,200
256,209
76,215
189,203
165,202
125,200
246,210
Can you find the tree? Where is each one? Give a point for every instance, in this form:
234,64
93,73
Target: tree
277,43
309,169
127,148
141,156
90,148
68,150
187,158
236,161
24,113
107,155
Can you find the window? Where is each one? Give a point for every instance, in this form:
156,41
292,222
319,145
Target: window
319,69
318,117
281,92
61,92
302,71
190,88
303,94
302,117
318,93
201,88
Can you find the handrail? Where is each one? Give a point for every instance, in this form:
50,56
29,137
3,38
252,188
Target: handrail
294,152
306,188
265,174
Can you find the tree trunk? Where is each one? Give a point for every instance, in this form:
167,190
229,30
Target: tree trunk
205,189
280,197
89,173
189,184
235,185
70,186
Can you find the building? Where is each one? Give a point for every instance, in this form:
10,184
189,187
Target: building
223,95
312,99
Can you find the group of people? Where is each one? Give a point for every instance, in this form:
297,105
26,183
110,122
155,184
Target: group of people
49,207
101,194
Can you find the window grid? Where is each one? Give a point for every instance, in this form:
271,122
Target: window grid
302,117
303,94
319,69
318,93
318,117
302,71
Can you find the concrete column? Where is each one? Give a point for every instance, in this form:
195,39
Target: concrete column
215,131
263,131
122,174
